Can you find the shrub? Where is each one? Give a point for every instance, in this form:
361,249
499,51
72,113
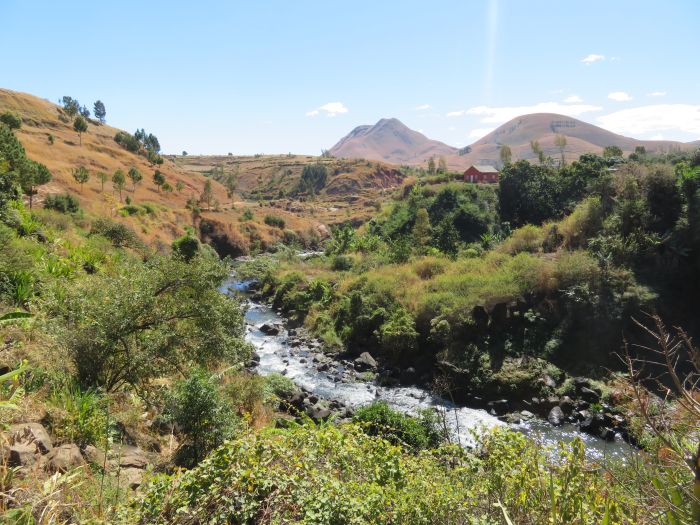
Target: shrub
275,221
118,234
525,239
186,247
201,415
11,120
148,320
279,386
132,209
81,416
247,215
417,433
341,263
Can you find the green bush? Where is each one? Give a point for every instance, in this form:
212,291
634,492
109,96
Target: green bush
341,263
186,247
132,209
413,432
79,416
247,215
201,415
11,120
147,320
118,234
275,221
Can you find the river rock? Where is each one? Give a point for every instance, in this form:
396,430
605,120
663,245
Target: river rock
131,477
566,404
126,456
607,434
64,458
547,381
94,455
32,433
581,382
498,407
589,395
270,329
365,362
556,416
318,413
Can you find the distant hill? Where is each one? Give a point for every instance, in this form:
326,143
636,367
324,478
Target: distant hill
390,140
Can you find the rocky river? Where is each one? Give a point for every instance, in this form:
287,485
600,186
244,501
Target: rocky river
336,386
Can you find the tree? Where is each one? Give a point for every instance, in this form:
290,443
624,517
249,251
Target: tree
193,206
158,179
201,415
99,111
11,120
431,166
207,193
231,183
102,177
528,194
447,238
421,229
560,142
70,106
612,151
85,112
147,320
442,165
506,154
167,188
179,186
80,126
31,175
184,153
81,176
537,150
313,178
118,182
135,177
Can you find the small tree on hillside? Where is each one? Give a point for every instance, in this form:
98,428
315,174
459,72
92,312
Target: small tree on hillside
118,182
193,206
80,126
506,155
85,112
442,165
231,183
70,106
102,177
537,150
167,188
313,178
560,142
158,179
31,175
431,166
11,120
135,177
421,230
99,111
207,194
81,176
612,151
179,186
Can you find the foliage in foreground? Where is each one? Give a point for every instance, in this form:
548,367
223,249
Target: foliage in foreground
341,475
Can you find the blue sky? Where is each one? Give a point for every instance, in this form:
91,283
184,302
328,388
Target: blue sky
279,76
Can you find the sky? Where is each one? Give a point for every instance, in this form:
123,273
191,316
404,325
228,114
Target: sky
295,76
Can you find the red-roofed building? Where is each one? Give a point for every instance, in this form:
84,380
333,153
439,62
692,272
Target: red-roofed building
487,174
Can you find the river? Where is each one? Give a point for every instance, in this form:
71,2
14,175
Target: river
296,362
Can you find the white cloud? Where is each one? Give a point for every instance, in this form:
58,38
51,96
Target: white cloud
573,99
422,107
658,136
331,110
653,119
479,132
620,96
590,59
499,115
657,94
459,113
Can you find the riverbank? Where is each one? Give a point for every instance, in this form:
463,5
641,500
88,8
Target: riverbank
334,386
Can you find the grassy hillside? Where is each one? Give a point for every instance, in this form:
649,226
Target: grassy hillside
353,191
99,151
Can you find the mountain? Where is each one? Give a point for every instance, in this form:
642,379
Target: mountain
581,137
390,140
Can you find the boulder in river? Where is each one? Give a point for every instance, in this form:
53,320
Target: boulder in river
365,362
270,329
556,416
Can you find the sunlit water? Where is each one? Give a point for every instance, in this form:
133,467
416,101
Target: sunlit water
276,355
